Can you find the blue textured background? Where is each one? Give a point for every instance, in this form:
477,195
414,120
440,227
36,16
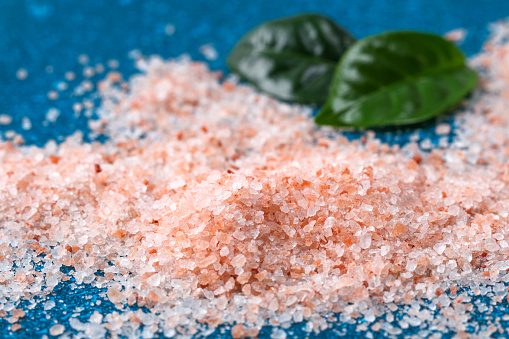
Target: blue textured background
38,33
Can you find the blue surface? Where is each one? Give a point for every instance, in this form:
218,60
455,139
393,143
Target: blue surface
38,33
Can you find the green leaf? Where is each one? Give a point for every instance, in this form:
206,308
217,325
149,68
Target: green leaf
292,59
396,78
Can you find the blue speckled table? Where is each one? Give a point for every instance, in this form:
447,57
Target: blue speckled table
35,34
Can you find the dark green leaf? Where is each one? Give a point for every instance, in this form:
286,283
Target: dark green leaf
396,78
292,59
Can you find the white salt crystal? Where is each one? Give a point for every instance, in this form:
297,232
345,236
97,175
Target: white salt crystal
384,250
309,226
21,74
96,318
48,305
26,124
209,52
278,334
52,114
177,183
411,265
439,248
454,210
169,29
365,241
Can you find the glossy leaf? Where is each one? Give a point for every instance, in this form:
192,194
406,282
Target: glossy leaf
292,59
396,78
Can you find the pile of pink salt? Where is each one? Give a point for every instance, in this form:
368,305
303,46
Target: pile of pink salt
213,204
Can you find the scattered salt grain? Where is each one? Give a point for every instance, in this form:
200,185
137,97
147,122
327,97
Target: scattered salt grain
52,95
169,29
443,129
365,241
96,318
83,59
56,330
88,72
209,52
48,305
52,114
21,74
5,119
456,35
113,64
70,76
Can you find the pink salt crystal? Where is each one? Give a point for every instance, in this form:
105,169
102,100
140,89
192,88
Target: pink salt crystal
57,329
209,260
5,119
18,313
456,35
114,294
239,260
443,129
439,248
52,114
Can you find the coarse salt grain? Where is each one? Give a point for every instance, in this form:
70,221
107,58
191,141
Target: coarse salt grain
21,74
52,95
26,123
209,52
169,29
83,59
70,76
456,35
443,129
5,119
57,329
52,114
